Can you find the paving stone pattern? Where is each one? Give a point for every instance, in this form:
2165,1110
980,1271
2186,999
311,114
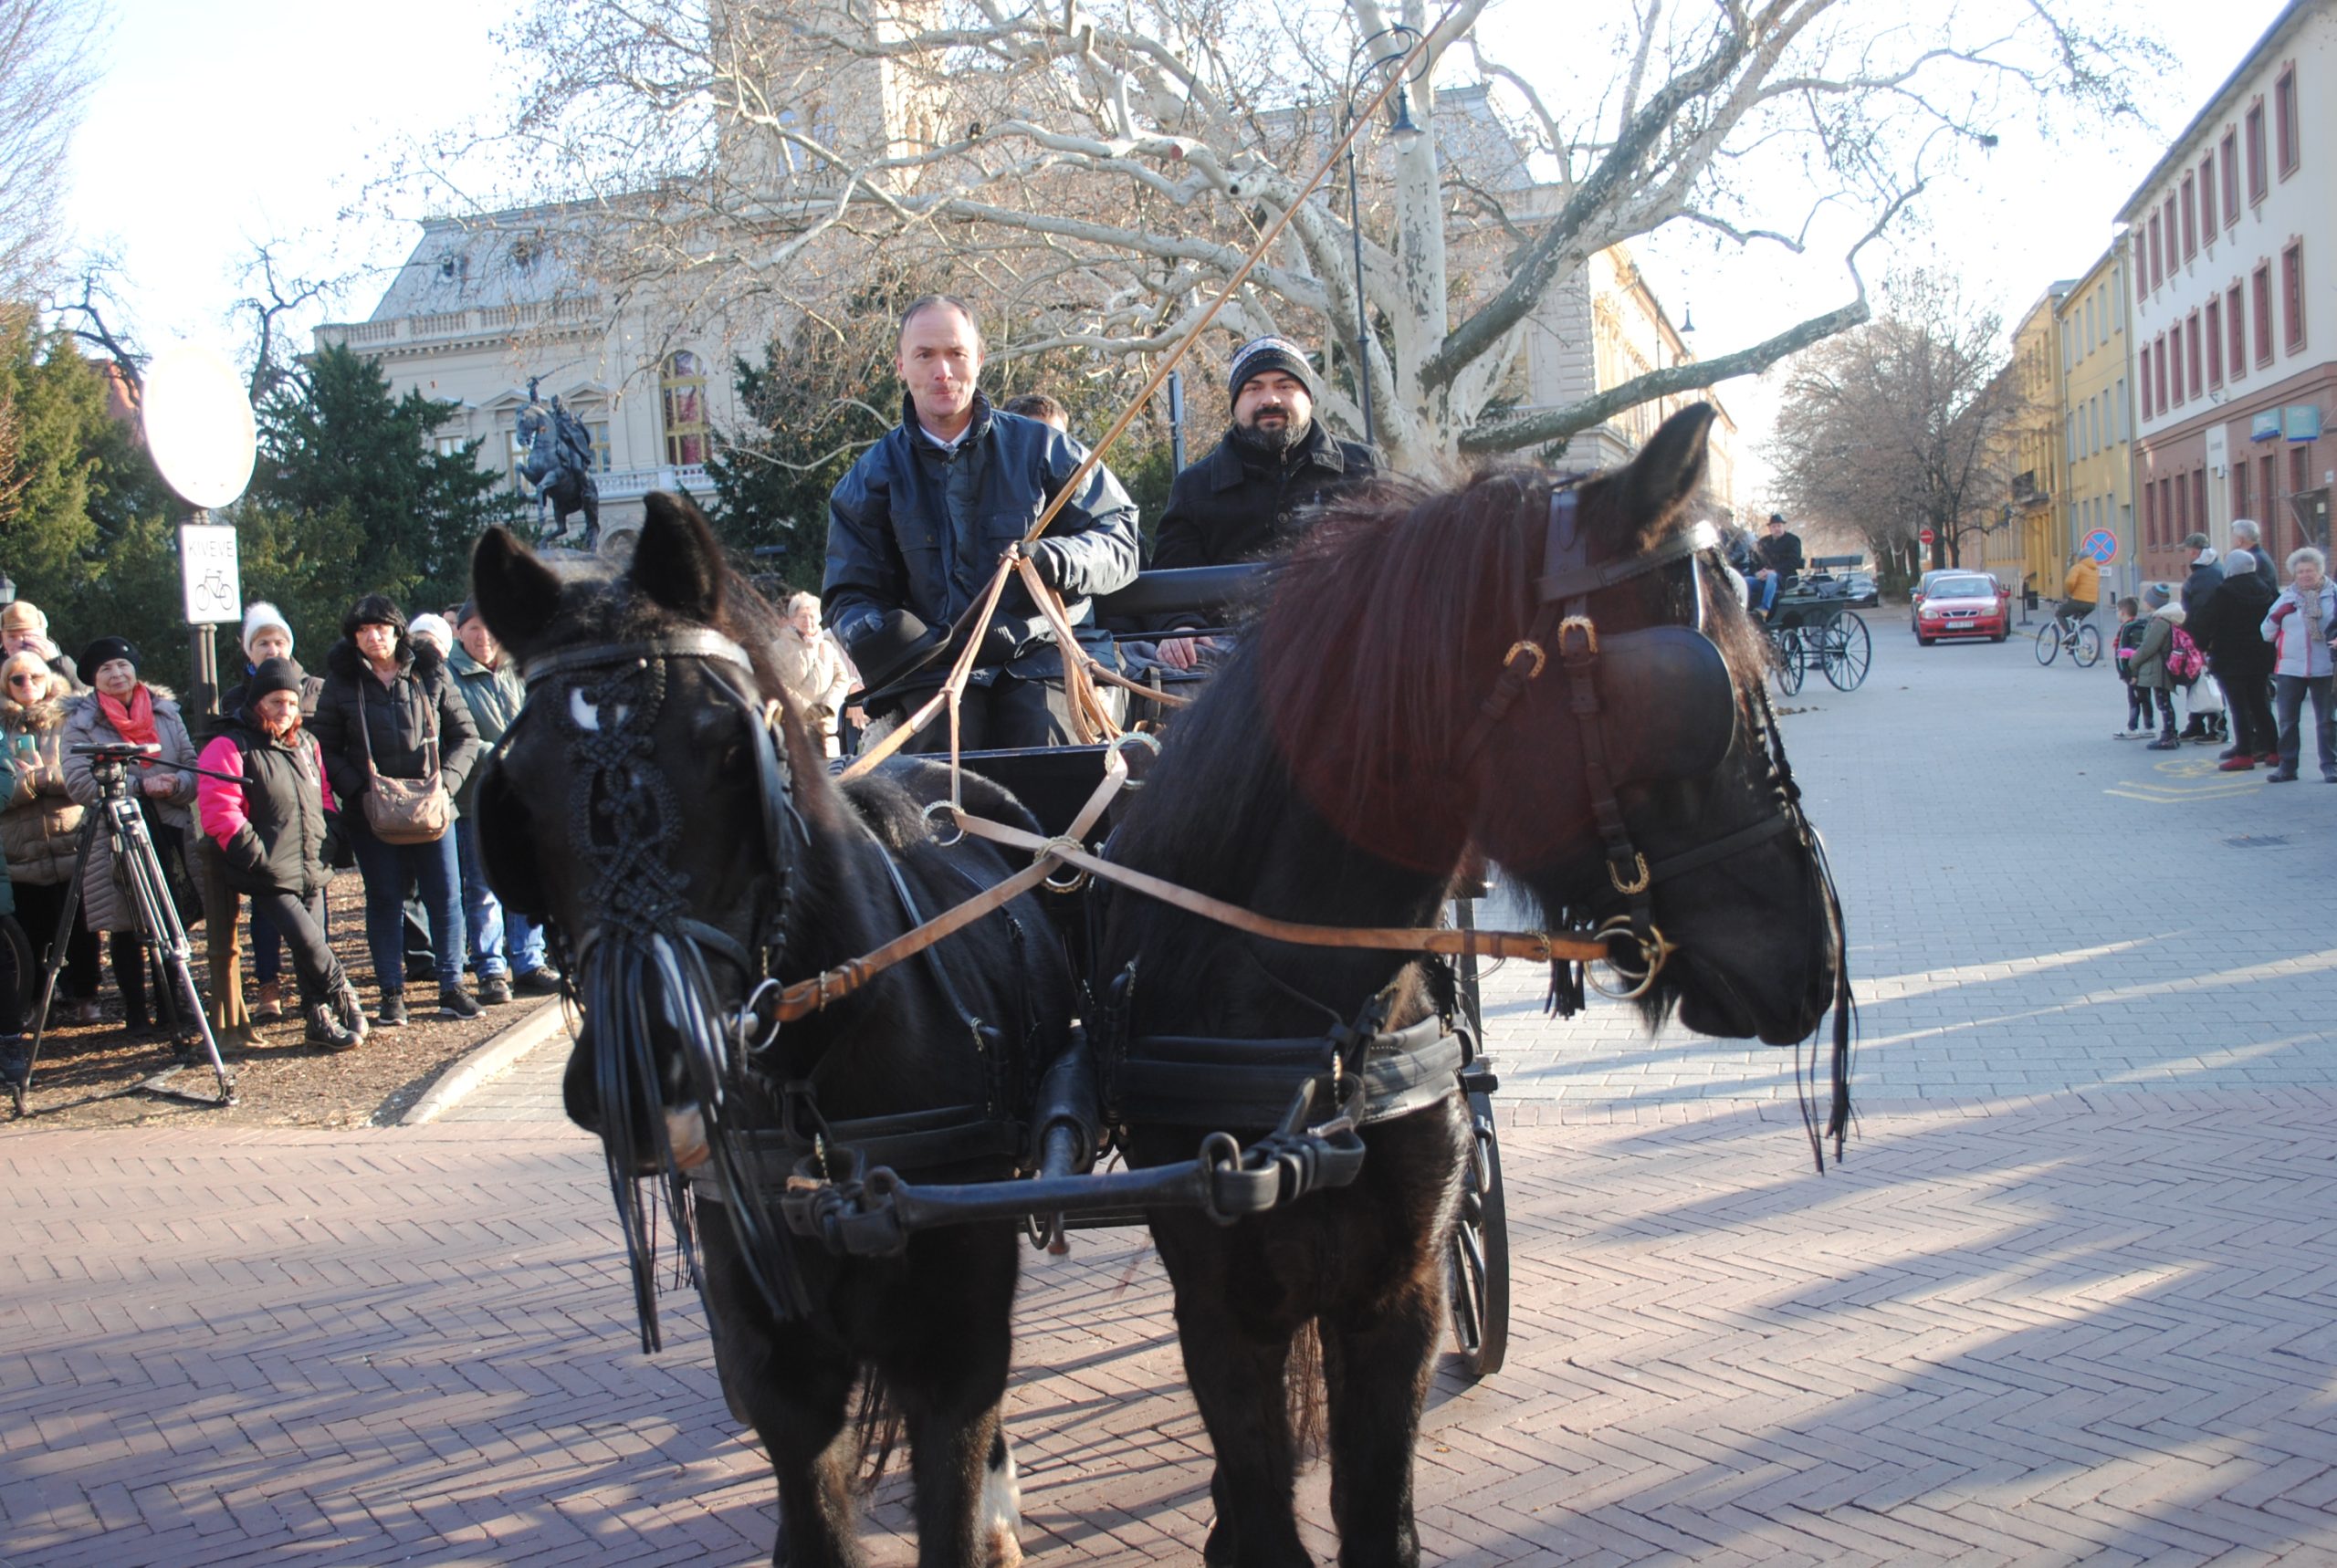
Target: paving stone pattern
2071,1299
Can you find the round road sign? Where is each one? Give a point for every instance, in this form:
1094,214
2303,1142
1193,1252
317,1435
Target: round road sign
2101,545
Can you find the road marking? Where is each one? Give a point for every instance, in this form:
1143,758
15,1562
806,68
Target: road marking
2212,782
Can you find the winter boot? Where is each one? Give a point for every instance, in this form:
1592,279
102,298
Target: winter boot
350,1009
326,1029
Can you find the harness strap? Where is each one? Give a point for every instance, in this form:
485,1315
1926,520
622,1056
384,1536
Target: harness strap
1197,1080
1720,849
690,643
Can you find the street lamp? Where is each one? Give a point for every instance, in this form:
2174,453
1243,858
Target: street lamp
1394,44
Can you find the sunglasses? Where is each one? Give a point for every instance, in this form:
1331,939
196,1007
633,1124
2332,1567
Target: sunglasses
25,680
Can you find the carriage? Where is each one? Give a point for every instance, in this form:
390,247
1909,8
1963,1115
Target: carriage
1814,626
846,1175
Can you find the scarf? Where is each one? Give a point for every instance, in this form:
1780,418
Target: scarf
135,723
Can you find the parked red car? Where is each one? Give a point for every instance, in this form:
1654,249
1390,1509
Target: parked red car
1964,604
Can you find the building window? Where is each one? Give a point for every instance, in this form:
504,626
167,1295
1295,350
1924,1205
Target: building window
2207,196
2258,182
2182,506
599,433
2292,295
2191,351
682,386
2190,218
2199,495
2284,114
2215,342
2231,177
2263,303
2236,327
2300,468
2267,496
2147,405
2239,489
2158,253
2173,236
2141,270
2118,413
2150,514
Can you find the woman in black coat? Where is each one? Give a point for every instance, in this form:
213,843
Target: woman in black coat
390,708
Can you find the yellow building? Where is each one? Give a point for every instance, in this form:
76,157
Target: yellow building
2034,551
2097,426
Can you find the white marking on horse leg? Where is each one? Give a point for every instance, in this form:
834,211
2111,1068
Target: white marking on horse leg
1000,1517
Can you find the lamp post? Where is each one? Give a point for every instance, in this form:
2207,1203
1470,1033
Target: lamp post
1393,45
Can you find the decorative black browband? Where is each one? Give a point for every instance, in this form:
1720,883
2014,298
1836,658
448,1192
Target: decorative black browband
691,643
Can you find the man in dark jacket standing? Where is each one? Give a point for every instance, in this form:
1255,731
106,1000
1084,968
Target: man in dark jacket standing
1250,496
918,526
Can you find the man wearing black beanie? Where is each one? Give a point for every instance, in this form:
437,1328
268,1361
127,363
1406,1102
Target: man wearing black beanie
1251,495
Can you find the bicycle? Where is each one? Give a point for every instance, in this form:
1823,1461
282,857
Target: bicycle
2081,638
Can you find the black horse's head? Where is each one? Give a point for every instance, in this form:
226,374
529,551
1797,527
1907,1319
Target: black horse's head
646,801
1558,675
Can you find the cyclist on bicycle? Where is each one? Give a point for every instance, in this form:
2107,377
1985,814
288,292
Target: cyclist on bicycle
2080,592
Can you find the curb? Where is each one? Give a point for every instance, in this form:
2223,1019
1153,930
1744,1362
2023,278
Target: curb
500,1050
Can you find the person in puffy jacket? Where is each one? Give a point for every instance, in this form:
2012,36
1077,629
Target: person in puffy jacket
125,710
267,635
506,946
269,832
2301,625
40,826
2151,673
390,708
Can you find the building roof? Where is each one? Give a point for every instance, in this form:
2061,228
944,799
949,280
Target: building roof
503,258
2178,151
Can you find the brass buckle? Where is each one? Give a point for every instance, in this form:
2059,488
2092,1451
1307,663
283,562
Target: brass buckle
1525,645
1638,883
1589,630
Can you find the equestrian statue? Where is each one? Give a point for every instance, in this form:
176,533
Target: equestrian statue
559,467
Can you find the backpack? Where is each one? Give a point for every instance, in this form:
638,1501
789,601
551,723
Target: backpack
2183,659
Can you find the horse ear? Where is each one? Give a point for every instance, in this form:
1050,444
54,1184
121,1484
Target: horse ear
1669,468
517,593
677,562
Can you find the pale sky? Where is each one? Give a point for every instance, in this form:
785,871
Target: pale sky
215,127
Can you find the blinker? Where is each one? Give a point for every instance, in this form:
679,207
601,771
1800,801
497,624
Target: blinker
1673,685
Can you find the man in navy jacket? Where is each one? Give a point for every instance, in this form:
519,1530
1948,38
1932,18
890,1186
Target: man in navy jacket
918,526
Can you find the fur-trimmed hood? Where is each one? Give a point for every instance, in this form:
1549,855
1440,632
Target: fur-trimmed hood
36,717
2171,612
417,659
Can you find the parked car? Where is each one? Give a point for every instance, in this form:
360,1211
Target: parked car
1839,577
1962,604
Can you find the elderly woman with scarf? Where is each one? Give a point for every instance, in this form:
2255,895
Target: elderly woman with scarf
40,825
125,710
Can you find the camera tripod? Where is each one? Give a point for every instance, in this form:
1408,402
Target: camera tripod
162,935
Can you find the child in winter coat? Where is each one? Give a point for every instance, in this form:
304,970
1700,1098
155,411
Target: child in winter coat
2151,672
2130,627
271,831
2302,624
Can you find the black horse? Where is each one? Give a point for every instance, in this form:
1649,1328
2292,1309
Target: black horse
1388,720
684,830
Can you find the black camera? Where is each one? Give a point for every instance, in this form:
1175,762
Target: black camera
121,751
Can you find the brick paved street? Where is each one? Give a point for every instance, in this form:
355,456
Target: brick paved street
2071,1299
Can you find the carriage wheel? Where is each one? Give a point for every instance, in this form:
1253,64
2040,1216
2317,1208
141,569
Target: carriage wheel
1477,1283
1848,651
1789,667
2089,648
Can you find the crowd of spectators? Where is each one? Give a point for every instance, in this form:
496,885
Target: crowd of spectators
250,811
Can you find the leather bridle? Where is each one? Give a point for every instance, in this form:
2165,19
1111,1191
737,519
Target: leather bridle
1569,581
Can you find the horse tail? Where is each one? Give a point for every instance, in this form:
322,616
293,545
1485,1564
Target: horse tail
1303,1387
878,1429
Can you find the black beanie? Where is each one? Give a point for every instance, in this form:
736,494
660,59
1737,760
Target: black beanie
1260,355
373,609
105,650
272,675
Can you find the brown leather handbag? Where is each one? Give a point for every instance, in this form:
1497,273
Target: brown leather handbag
406,810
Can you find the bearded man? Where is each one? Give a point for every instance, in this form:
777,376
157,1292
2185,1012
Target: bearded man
1251,496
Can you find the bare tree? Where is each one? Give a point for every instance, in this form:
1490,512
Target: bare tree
1906,423
1104,167
44,78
